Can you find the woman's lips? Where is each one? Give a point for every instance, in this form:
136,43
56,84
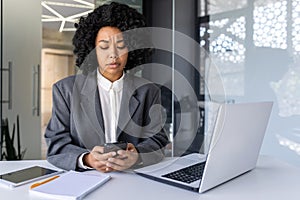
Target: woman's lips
113,65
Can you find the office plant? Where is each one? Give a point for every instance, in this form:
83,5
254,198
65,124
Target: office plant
7,141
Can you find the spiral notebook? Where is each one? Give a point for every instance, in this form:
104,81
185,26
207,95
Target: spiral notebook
71,185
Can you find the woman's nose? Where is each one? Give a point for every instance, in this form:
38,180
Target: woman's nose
113,52
113,56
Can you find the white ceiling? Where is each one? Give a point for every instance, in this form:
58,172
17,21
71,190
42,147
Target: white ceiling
62,14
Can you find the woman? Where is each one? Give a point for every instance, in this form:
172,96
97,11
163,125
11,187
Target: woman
104,104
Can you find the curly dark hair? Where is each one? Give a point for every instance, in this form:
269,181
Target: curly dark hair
115,15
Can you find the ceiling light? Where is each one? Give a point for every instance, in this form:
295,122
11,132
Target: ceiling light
59,16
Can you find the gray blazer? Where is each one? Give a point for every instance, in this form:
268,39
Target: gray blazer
76,125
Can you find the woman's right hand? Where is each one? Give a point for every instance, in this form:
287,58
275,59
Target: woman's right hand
97,159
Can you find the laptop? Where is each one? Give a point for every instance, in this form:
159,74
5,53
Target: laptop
234,148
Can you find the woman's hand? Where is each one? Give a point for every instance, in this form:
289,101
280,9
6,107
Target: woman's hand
124,160
112,161
97,159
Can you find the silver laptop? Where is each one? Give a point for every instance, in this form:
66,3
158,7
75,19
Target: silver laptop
234,148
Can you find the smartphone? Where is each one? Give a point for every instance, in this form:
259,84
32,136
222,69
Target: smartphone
115,146
23,176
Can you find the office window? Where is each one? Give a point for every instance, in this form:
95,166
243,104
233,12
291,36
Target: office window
296,26
256,46
270,24
211,7
223,37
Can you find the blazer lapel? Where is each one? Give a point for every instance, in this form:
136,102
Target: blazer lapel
129,104
90,105
98,110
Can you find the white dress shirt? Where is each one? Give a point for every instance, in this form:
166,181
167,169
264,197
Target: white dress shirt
110,97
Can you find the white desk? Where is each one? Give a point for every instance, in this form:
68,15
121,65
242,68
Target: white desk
272,179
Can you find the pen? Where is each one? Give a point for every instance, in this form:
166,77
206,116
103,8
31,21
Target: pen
43,182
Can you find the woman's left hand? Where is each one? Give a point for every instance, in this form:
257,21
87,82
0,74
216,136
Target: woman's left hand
124,160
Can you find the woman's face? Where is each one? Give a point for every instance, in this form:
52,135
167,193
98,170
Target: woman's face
112,52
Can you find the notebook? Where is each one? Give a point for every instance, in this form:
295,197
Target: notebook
71,185
237,138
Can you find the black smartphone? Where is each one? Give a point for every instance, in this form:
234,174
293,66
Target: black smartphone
115,146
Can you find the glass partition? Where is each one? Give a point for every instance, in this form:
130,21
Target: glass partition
254,46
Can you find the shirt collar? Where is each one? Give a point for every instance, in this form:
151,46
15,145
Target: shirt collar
107,84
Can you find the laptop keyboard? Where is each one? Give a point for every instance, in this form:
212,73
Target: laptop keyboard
187,174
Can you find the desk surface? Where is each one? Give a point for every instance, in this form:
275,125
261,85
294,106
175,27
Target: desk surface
271,179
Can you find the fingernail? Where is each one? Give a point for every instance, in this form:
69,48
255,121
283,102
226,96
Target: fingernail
120,152
110,159
113,153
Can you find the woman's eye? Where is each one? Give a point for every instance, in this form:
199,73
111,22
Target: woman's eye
121,47
103,47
